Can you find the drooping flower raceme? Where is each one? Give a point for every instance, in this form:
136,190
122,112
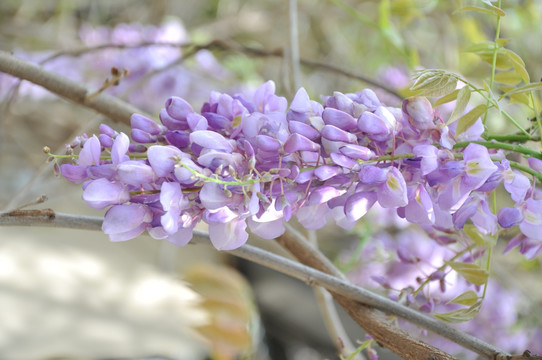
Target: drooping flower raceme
253,162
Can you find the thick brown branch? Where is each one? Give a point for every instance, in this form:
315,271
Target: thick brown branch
385,333
112,107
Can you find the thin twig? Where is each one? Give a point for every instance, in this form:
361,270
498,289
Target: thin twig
45,168
294,45
351,295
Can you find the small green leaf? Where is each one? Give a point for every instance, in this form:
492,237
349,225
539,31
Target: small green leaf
502,62
460,315
447,98
471,272
502,42
498,11
508,77
493,11
521,98
434,83
480,239
468,298
462,101
517,63
482,47
524,89
467,120
513,56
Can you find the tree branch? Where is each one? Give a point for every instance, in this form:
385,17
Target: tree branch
112,107
349,296
231,46
331,318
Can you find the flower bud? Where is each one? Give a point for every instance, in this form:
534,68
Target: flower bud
420,113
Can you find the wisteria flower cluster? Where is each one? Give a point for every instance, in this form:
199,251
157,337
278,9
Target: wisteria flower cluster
258,162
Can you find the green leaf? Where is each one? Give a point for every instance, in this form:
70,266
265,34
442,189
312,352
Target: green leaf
524,89
480,239
521,98
468,298
462,101
492,11
447,98
467,120
434,83
460,315
517,62
471,272
482,47
497,10
508,77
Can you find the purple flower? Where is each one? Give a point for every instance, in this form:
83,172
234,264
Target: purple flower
120,148
173,202
419,209
323,194
339,119
211,140
516,184
531,226
357,152
125,222
268,225
227,230
420,113
358,204
393,192
333,133
133,172
162,159
297,142
509,217
101,193
90,154
478,167
213,197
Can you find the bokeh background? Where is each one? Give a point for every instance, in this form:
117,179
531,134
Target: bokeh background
73,294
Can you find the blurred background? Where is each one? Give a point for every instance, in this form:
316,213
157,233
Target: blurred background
67,294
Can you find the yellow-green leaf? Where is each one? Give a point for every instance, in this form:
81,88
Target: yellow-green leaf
434,83
508,77
513,56
521,98
524,89
502,42
498,11
492,11
517,62
467,120
471,272
480,239
468,298
447,98
482,47
460,315
463,98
